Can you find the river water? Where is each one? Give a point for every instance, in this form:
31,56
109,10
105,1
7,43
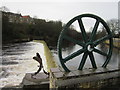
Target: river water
17,60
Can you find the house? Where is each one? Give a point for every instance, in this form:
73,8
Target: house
18,18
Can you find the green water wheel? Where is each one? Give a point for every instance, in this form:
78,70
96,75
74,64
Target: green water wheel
88,45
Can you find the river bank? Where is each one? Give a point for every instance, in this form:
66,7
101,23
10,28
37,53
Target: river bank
116,43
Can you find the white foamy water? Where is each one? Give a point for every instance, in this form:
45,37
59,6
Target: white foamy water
17,61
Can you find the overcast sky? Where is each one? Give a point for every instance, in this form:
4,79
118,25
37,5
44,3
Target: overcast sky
63,10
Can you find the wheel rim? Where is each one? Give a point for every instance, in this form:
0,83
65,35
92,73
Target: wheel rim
88,45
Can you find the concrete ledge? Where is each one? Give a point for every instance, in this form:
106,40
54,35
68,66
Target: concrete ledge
38,80
87,78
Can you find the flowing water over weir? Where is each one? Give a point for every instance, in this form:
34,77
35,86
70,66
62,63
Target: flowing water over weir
17,61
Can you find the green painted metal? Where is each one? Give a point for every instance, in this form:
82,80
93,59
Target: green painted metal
88,44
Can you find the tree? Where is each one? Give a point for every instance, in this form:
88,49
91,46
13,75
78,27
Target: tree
114,27
4,8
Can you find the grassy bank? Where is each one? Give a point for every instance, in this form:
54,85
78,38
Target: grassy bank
116,42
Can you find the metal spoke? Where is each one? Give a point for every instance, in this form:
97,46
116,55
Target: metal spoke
106,62
84,35
92,60
101,40
100,52
73,40
83,60
73,55
94,31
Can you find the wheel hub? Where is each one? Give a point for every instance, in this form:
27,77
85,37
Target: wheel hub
89,47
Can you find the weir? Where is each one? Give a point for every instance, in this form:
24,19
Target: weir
61,76
41,80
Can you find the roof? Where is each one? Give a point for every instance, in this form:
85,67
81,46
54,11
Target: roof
26,16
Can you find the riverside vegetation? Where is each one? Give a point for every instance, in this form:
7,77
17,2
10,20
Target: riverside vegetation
39,29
